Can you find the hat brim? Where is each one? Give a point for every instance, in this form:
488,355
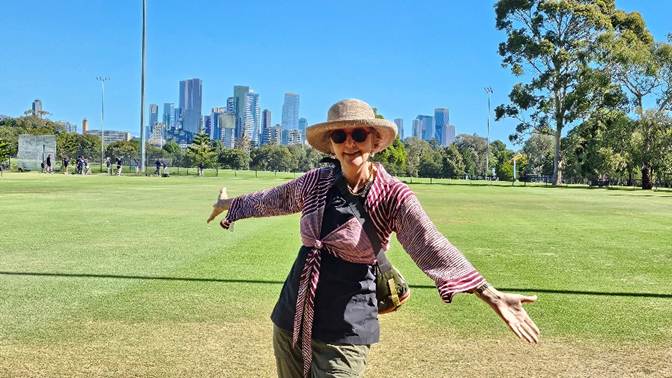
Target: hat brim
318,134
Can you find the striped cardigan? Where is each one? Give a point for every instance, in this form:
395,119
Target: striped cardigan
392,207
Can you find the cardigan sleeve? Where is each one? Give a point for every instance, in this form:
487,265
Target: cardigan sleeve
284,199
431,251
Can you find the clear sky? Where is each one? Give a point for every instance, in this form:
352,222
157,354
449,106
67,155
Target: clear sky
403,57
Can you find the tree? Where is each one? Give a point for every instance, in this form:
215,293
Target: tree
643,69
539,151
415,149
553,39
473,149
4,151
234,158
127,150
200,151
453,164
393,158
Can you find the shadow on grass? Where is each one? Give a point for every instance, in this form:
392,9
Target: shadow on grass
233,280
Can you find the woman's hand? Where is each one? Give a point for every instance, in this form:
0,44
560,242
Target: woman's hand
222,204
509,307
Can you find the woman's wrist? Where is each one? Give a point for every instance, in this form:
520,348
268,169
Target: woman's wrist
487,293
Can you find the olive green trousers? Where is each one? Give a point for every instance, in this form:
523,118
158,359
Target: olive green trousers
329,360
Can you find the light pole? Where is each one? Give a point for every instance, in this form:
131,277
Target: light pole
488,91
102,80
142,90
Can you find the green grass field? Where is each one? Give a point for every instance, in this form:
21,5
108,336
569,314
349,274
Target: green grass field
120,276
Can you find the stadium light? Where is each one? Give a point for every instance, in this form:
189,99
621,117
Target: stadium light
102,80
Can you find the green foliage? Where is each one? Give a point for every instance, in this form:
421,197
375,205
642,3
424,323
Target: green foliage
234,158
452,162
200,151
393,158
127,150
273,157
4,151
553,41
72,145
539,150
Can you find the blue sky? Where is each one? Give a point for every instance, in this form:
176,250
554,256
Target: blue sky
404,57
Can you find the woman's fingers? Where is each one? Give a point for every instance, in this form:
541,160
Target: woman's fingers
531,324
528,298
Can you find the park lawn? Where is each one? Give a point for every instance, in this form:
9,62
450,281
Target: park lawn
120,276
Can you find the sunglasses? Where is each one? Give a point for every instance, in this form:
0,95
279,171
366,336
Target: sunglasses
358,135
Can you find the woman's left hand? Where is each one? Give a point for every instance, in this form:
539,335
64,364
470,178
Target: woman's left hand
509,307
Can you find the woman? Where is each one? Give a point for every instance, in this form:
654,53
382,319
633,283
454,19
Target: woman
326,317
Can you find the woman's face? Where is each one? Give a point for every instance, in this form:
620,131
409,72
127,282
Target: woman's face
352,146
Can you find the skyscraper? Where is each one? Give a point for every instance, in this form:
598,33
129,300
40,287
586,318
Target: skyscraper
290,111
417,129
153,115
215,127
191,96
400,127
426,127
239,93
252,117
169,115
37,108
265,125
449,135
303,124
441,120
227,127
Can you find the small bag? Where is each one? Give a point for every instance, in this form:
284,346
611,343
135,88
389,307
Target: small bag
392,290
391,287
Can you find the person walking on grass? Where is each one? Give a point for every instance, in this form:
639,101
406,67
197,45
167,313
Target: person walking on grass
66,162
119,165
108,165
327,315
49,168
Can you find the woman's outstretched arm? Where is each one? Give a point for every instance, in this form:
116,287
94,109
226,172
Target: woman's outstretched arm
452,272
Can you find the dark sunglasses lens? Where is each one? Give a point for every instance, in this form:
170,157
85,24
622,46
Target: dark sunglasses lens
359,135
338,136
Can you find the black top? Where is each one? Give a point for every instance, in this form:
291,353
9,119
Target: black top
346,309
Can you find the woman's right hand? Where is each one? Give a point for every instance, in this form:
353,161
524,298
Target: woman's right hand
222,204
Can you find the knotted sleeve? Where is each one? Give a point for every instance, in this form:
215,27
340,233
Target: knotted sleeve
431,251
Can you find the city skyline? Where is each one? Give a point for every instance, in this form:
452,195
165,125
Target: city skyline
386,67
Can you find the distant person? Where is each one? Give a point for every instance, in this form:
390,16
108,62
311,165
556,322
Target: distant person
108,164
200,168
164,168
49,169
118,166
326,317
87,170
157,164
137,167
42,166
78,165
66,162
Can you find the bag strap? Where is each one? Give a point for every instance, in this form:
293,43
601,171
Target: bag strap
359,209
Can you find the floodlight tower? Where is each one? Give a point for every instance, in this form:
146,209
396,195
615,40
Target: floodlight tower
102,80
488,91
142,89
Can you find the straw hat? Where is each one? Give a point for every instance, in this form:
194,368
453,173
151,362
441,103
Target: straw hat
350,114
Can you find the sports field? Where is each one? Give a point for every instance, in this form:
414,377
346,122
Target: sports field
120,276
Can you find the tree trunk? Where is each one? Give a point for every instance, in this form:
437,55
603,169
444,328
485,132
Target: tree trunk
557,159
646,177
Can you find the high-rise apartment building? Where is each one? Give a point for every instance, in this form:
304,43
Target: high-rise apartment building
239,95
400,127
290,111
85,126
227,127
153,115
191,97
169,115
36,108
265,125
424,127
449,135
303,124
252,118
441,120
